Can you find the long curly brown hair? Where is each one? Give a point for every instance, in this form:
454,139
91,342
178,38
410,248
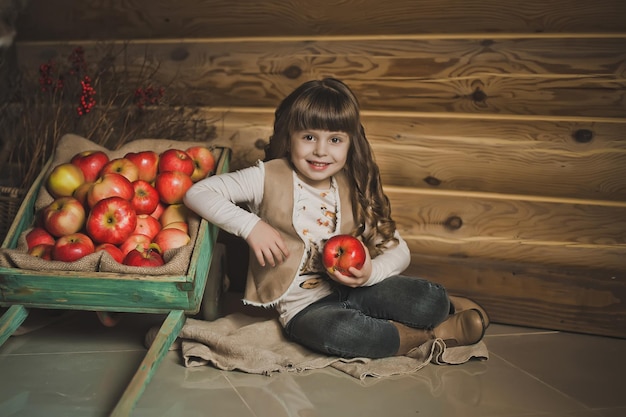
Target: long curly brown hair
329,104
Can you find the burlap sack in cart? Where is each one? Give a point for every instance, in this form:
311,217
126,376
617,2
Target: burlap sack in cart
176,260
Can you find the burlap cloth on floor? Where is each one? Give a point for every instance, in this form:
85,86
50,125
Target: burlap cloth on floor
257,345
177,260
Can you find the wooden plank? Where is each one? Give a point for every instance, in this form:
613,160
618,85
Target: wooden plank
558,77
167,334
76,292
549,254
511,228
590,175
559,298
73,19
11,320
464,214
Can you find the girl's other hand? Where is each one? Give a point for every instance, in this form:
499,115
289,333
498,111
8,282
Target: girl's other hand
267,244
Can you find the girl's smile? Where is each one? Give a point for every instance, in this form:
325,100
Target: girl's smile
317,155
318,165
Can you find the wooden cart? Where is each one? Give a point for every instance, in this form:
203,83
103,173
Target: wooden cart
175,296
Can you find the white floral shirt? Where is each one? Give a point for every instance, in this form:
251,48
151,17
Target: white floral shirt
315,220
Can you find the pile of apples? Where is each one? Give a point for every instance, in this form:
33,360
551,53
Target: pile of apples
132,207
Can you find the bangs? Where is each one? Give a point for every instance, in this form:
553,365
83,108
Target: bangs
325,110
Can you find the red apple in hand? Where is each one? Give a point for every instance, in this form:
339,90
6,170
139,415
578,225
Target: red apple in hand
172,186
149,256
342,252
63,216
123,167
145,198
147,162
135,241
203,160
112,250
110,185
38,236
111,220
70,248
176,160
64,179
91,163
147,225
171,238
42,250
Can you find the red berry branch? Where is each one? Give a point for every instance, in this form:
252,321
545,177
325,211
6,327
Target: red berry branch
46,75
148,96
87,100
78,70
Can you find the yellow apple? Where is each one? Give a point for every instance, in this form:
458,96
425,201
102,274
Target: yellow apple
64,180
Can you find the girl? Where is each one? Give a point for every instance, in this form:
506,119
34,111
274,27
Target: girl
319,179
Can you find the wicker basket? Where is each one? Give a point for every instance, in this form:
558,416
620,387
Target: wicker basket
10,200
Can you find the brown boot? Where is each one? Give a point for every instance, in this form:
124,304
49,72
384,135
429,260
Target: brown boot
411,338
462,304
461,329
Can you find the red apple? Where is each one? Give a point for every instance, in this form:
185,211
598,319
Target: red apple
342,252
110,185
184,226
172,186
176,160
158,211
91,163
112,250
64,179
147,225
70,248
174,213
135,241
144,257
171,238
111,220
147,162
42,250
145,198
123,167
38,236
63,216
203,160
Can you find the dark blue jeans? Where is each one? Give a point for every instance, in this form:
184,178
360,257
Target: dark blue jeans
354,322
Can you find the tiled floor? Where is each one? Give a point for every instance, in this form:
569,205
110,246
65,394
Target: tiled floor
77,367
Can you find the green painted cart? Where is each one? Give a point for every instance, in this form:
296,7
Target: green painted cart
175,296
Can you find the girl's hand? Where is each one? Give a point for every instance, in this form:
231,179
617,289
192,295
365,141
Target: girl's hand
267,244
360,276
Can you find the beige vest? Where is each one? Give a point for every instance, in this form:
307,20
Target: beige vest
266,285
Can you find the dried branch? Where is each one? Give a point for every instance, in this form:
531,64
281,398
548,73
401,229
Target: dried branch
103,102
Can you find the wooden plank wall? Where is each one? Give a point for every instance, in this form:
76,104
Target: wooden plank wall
499,125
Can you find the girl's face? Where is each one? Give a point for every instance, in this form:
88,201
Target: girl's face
317,155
